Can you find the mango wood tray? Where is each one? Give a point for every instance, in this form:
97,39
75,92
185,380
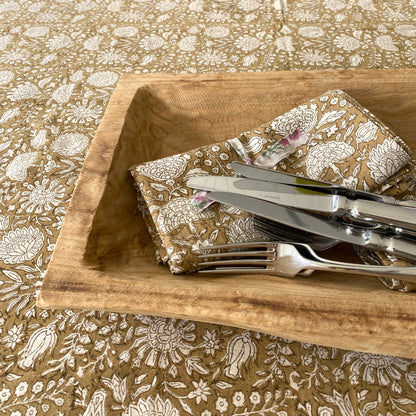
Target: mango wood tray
104,258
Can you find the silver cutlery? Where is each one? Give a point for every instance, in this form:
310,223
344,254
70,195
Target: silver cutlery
335,205
309,223
287,260
268,175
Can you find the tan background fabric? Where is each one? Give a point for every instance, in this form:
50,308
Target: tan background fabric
59,63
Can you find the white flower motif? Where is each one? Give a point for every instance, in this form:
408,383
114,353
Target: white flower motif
86,6
4,394
17,168
15,56
406,30
84,111
347,43
21,244
314,57
63,93
126,31
248,5
163,340
255,398
201,391
300,118
179,212
14,336
152,42
8,6
93,43
36,31
112,56
69,144
211,57
166,5
326,155
311,31
386,42
238,398
247,43
59,42
4,41
42,196
325,411
242,230
221,404
23,92
334,5
217,32
381,369
386,159
170,167
37,387
103,78
6,77
151,407
21,389
187,43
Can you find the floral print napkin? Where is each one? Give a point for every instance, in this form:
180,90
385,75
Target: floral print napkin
331,138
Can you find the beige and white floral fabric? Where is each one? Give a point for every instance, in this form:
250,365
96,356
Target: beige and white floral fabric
59,63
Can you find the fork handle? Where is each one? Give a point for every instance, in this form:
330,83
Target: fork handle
407,273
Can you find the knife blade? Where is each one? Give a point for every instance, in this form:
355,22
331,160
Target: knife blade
268,175
309,223
310,199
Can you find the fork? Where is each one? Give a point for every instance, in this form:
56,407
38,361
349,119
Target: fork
287,260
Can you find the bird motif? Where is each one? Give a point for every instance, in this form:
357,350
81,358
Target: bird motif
239,350
42,339
96,406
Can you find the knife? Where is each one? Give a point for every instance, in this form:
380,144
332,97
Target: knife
309,223
267,175
310,199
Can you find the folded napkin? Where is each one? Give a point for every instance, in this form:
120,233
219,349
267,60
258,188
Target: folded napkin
331,138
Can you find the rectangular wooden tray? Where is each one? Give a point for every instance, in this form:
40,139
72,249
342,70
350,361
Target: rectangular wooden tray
104,259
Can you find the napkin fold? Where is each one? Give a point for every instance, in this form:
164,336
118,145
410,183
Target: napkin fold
331,137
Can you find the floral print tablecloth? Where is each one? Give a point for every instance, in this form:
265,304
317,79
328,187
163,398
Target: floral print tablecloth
59,63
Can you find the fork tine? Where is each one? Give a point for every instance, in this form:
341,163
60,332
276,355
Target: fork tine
233,262
232,246
227,254
234,270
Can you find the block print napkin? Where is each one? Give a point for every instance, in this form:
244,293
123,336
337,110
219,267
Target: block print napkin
331,138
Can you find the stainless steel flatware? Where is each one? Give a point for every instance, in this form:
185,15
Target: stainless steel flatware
287,260
309,223
311,199
268,175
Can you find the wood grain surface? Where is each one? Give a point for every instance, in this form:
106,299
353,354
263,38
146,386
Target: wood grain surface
104,259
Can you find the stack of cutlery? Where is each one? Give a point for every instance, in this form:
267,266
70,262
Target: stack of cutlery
334,212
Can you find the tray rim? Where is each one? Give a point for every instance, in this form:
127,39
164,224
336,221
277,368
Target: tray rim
53,295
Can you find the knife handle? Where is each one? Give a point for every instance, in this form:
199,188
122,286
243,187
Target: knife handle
394,215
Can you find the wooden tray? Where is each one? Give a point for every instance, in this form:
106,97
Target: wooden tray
104,258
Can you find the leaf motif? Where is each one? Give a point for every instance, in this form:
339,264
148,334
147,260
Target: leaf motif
223,385
185,406
141,390
176,384
12,376
330,117
159,187
13,276
140,378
